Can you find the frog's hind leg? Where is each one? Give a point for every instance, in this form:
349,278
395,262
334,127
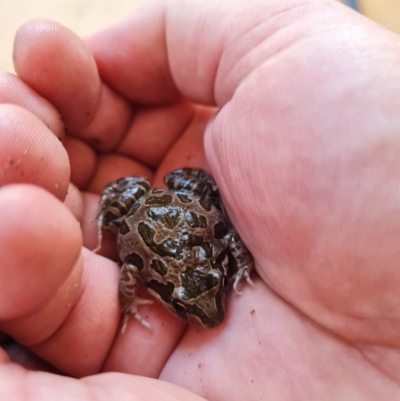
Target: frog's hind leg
196,181
128,295
243,259
116,201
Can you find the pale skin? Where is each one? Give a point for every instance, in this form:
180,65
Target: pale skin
305,150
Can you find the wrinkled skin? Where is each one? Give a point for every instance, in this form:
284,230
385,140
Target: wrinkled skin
305,150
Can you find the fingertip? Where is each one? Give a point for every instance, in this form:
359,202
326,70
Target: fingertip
56,63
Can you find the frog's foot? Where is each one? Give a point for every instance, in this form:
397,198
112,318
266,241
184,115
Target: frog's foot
132,311
128,295
243,272
244,260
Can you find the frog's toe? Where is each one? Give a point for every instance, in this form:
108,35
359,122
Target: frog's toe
132,311
243,272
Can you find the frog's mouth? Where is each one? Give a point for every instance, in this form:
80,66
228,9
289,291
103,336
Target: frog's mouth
207,309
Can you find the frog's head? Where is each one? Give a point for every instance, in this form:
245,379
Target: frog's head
202,299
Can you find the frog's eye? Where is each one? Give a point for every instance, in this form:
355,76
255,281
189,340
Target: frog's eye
179,307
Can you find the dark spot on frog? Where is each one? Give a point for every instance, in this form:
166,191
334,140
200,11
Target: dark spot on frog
134,208
198,188
111,219
195,283
169,247
169,217
220,258
164,290
159,200
220,230
188,241
134,259
206,203
195,220
147,233
184,198
159,266
123,227
131,195
207,248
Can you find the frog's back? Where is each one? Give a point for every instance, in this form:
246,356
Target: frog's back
169,231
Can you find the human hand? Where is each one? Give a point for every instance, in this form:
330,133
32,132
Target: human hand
304,150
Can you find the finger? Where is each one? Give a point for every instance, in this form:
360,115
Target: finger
83,161
56,63
14,91
112,167
57,60
29,150
22,385
154,130
31,218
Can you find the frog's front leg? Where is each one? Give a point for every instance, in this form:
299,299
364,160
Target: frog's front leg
116,201
128,296
243,259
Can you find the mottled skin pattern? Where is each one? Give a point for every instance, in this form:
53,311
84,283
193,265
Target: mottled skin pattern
176,241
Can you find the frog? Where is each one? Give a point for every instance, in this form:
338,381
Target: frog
177,242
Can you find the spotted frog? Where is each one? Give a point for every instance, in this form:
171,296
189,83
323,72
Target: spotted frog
176,241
